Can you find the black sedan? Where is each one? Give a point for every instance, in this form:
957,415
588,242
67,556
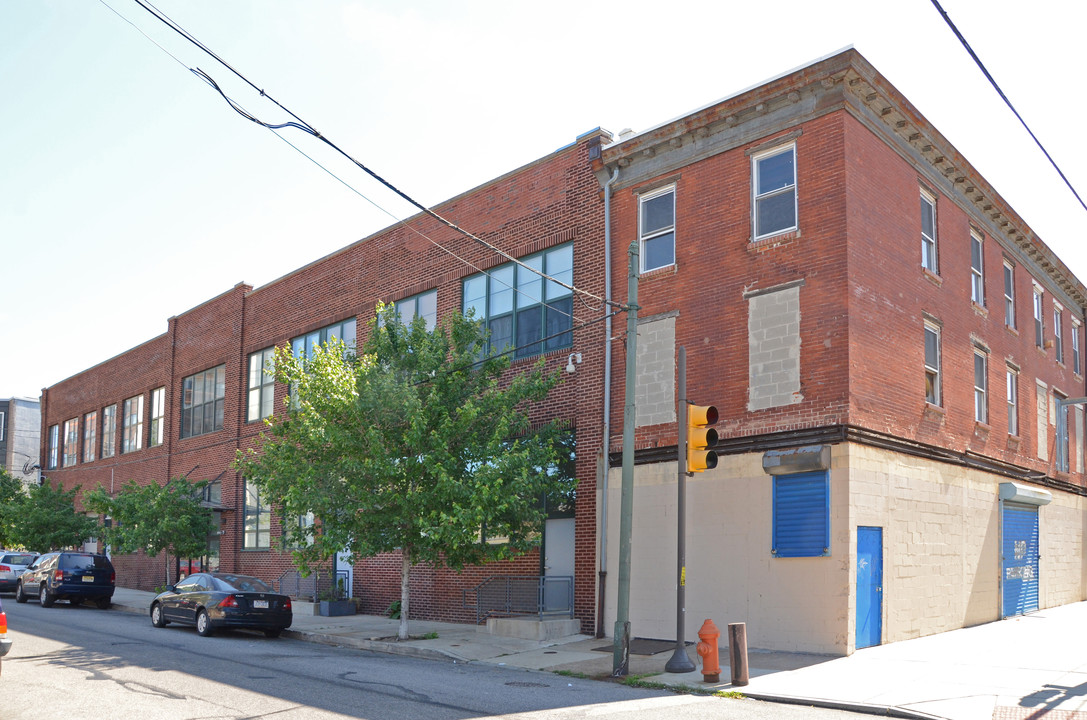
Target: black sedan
216,601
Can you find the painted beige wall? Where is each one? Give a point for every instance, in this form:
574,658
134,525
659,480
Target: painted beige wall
941,539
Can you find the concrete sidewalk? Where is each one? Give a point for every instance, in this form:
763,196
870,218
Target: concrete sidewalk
1032,667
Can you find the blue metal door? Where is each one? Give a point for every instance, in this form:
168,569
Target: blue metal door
1019,559
869,586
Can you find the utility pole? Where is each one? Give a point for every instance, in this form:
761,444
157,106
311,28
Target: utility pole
621,635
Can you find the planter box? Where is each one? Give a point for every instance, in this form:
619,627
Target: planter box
334,608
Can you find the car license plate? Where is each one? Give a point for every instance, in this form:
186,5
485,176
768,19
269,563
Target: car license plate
260,604
88,578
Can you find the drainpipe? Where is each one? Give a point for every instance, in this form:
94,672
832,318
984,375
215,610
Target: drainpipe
603,555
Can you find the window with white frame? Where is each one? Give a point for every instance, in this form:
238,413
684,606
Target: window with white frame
90,437
928,232
1009,295
981,387
158,417
932,363
54,449
773,177
657,228
1013,400
1075,346
71,442
132,425
1058,332
423,305
521,309
977,269
257,533
109,431
202,402
3,427
1039,322
262,385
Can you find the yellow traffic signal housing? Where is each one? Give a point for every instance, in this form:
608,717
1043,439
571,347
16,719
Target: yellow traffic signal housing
701,436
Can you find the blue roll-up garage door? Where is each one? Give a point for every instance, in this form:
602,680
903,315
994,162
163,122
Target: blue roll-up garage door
1019,558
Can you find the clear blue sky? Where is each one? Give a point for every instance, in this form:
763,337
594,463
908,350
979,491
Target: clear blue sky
130,192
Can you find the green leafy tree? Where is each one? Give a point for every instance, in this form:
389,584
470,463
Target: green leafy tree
12,495
46,519
420,444
155,518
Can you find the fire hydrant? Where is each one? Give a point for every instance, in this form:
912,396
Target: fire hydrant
707,648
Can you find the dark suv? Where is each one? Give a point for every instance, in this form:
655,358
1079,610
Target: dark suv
72,576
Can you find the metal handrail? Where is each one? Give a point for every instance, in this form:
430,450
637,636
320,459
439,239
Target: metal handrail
509,595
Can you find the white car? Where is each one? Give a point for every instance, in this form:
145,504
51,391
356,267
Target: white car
12,565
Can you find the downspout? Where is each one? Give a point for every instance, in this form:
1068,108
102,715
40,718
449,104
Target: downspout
603,553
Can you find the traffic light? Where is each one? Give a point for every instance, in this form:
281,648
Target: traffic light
701,436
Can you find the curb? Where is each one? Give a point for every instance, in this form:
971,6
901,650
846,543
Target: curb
380,646
858,707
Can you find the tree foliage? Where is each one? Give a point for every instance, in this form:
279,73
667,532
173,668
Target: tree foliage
419,443
12,493
154,518
46,519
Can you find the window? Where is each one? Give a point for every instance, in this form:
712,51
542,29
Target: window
657,228
977,270
1009,295
522,310
1013,401
928,232
302,346
3,418
1058,333
132,425
109,431
258,520
981,387
932,364
1075,347
202,402
262,385
71,442
90,429
774,179
1039,324
424,305
54,442
801,524
158,416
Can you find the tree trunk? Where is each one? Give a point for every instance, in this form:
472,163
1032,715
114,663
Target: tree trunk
166,567
405,572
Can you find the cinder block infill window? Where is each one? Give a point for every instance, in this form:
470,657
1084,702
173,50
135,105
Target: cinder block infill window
801,523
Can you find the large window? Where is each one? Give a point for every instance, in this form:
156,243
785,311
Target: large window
303,345
424,305
109,431
202,402
801,523
158,416
258,520
71,442
977,269
928,232
262,385
1009,295
521,309
132,425
1039,323
657,228
1058,332
1013,401
54,446
932,363
981,387
773,176
90,437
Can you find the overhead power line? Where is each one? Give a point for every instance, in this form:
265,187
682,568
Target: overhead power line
1005,99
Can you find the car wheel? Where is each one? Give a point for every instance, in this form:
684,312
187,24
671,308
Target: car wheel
20,594
272,632
203,624
103,603
45,597
156,616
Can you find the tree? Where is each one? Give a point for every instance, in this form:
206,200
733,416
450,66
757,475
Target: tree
419,443
46,519
154,518
12,493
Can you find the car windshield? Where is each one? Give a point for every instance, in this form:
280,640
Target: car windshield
242,583
18,558
83,562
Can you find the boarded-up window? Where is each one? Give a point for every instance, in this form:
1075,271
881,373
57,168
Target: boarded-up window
773,331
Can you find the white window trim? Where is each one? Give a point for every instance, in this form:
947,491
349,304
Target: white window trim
1039,316
1011,385
643,237
1077,358
1058,331
755,196
981,392
1009,300
928,197
937,371
977,274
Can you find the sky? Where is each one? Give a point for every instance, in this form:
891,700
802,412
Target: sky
130,192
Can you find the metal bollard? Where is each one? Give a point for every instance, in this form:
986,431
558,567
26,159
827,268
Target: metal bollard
737,653
707,648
